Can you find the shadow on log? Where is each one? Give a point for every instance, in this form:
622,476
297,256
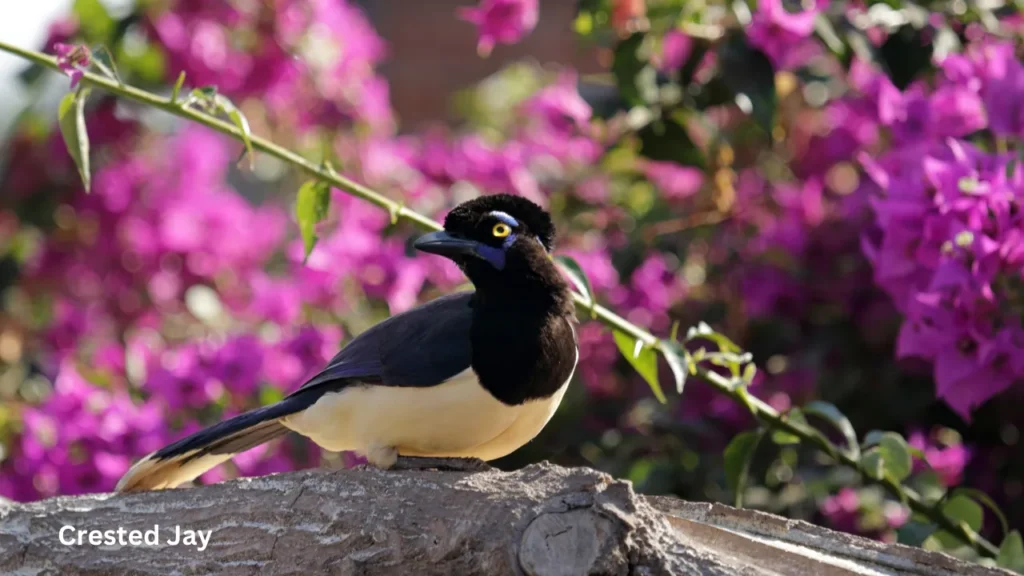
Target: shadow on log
542,520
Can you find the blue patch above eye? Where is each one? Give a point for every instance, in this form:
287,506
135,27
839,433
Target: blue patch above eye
504,218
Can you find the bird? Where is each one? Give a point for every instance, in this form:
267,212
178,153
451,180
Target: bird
473,375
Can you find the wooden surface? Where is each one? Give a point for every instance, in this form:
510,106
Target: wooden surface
542,519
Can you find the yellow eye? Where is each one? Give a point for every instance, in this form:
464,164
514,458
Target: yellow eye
501,230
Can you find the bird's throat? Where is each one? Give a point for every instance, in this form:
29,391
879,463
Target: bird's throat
524,347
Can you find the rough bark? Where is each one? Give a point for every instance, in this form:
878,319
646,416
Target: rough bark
540,520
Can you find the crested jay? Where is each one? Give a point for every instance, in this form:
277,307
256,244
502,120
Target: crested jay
471,375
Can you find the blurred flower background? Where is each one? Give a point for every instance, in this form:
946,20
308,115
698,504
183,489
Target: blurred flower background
834,185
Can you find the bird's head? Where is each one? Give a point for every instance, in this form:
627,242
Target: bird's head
497,238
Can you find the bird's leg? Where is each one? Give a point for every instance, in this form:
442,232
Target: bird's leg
444,464
382,457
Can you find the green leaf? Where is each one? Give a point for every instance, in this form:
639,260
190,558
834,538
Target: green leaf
748,73
873,463
919,454
872,438
1011,553
229,108
702,330
825,31
311,206
104,60
835,417
749,373
640,470
94,22
905,54
961,508
860,45
668,141
678,362
782,437
71,118
270,395
896,454
928,486
986,501
711,94
643,359
738,455
635,77
730,360
579,278
698,48
205,94
914,533
177,87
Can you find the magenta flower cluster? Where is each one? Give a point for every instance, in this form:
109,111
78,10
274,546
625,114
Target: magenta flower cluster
784,36
80,438
312,62
501,21
949,249
163,247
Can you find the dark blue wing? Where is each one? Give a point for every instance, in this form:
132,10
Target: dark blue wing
421,347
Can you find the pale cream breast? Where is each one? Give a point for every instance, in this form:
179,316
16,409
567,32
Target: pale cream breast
458,418
436,420
532,418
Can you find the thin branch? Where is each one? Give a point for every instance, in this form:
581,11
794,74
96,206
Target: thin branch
683,224
265,146
758,408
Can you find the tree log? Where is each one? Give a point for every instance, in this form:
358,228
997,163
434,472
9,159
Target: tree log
540,520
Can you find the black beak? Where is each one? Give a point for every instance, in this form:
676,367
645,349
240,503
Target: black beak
445,244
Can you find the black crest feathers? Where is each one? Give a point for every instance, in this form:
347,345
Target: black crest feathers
467,215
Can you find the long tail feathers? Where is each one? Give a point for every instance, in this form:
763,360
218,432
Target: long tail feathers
193,455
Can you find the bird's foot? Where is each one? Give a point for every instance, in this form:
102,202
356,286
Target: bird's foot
442,464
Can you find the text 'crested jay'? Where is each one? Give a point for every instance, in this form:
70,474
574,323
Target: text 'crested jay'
473,375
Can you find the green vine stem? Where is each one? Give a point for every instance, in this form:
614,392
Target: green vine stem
758,408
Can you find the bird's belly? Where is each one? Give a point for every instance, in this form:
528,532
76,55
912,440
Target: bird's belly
530,420
458,418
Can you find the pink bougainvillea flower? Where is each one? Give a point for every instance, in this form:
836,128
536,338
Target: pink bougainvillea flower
842,509
779,33
560,104
72,59
501,21
675,181
948,460
675,50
